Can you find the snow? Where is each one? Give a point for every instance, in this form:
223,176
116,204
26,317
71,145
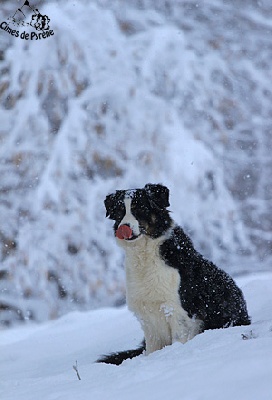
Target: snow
227,364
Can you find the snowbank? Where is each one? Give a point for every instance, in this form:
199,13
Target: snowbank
226,364
126,93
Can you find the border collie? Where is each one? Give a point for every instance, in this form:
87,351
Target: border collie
171,288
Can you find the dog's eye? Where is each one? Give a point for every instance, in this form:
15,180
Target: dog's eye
117,214
140,212
120,214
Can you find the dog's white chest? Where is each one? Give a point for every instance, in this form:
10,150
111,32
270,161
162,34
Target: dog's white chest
149,280
153,295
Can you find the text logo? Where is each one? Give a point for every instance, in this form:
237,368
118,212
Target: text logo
28,17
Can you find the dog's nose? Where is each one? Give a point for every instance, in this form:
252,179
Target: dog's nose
124,232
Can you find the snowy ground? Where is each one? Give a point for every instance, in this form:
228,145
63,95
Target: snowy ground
179,89
235,363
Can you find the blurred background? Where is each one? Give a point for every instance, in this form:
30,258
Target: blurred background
124,93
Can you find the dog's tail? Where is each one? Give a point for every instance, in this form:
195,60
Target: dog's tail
118,358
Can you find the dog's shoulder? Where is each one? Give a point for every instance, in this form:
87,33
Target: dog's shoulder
177,249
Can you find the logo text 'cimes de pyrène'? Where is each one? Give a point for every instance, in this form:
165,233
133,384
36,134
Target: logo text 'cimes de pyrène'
36,20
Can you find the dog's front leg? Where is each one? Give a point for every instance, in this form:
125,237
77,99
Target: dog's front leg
153,343
156,336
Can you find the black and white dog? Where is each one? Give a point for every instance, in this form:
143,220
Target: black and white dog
174,292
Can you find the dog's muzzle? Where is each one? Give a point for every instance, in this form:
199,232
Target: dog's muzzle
124,232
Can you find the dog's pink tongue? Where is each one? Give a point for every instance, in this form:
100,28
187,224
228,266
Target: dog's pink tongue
124,232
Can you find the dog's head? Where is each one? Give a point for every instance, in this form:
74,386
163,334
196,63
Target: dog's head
139,212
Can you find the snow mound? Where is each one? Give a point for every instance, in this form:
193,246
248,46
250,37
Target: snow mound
122,95
226,364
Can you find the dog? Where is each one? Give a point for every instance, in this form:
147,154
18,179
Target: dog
172,289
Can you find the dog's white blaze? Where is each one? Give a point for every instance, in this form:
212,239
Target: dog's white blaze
152,294
129,218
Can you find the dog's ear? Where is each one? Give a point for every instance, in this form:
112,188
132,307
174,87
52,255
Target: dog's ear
158,195
110,205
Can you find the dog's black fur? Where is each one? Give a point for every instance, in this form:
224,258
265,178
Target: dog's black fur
206,292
